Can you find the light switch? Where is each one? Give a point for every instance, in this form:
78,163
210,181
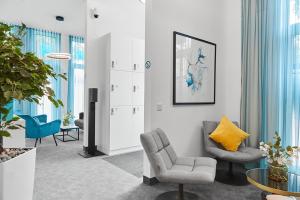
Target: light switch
159,107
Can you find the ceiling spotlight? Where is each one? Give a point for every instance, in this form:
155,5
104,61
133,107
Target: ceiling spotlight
60,18
143,1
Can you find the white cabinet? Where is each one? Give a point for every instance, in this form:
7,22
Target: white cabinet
120,88
138,55
121,48
138,81
120,127
121,93
137,123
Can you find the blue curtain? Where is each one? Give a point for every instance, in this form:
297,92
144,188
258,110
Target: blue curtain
41,43
273,32
76,46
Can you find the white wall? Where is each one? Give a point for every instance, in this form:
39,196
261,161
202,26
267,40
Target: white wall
118,16
213,20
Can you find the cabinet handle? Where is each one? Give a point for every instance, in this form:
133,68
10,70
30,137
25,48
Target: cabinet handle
112,111
112,88
134,88
134,110
112,64
134,67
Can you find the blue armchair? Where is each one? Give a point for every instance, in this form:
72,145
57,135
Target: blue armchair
37,127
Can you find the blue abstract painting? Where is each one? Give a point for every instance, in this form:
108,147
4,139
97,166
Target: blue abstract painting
194,67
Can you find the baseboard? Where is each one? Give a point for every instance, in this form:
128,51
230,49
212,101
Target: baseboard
125,150
150,181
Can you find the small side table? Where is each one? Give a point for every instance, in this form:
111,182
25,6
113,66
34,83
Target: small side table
65,132
259,178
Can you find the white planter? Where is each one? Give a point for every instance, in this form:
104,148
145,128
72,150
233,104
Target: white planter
17,177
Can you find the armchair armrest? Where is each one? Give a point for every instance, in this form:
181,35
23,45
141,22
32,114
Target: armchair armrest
42,118
50,128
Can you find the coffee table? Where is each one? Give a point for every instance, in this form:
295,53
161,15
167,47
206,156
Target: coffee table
259,178
65,132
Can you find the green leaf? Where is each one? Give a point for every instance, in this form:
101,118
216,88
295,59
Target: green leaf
4,133
60,102
63,76
8,94
4,111
50,91
12,127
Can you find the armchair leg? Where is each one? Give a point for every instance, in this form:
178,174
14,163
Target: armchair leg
36,140
230,176
178,195
180,191
40,140
54,139
230,172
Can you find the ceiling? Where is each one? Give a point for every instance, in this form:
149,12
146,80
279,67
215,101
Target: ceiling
41,14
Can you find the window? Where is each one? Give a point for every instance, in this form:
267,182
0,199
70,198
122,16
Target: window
293,81
78,92
48,43
76,76
294,12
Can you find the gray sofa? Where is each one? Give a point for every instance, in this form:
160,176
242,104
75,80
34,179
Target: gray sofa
170,168
80,122
243,155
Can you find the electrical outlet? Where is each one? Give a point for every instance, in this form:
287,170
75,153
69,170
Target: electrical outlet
159,107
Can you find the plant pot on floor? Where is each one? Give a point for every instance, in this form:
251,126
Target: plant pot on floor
17,177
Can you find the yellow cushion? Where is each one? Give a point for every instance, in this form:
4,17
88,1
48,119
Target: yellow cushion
228,135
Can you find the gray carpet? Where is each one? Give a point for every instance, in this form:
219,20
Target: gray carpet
61,174
129,162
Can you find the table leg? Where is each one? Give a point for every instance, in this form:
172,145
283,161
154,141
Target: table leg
63,135
78,133
264,195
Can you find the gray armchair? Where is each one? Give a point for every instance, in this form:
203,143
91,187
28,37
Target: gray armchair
242,156
172,169
80,122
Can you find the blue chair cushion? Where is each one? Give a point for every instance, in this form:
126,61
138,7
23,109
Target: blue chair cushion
36,120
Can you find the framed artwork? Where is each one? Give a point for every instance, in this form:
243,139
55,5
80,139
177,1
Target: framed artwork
194,70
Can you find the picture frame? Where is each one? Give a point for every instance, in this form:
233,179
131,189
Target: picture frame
194,70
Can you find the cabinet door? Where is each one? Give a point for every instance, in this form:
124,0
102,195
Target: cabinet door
138,88
137,124
121,48
120,127
138,55
121,88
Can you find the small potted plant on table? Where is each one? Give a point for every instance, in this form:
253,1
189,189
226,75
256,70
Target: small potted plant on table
68,118
278,158
23,76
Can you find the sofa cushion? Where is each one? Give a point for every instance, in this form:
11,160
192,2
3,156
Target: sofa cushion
228,135
243,155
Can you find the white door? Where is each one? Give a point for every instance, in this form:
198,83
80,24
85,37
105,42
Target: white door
120,88
138,55
138,88
121,48
120,127
137,124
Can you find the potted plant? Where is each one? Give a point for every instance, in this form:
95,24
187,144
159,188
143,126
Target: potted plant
23,76
278,158
68,118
